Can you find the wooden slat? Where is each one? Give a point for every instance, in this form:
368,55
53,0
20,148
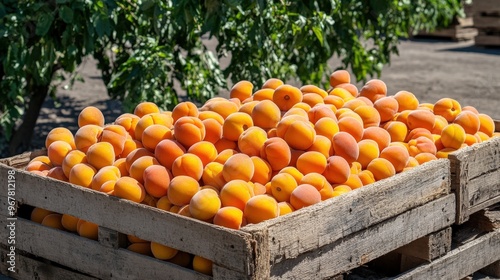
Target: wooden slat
429,247
487,219
488,6
341,216
31,269
461,261
111,238
228,248
366,245
487,22
475,177
487,40
91,257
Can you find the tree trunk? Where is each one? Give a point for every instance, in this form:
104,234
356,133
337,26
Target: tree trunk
21,139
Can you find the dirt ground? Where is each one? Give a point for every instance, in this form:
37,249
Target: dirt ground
431,69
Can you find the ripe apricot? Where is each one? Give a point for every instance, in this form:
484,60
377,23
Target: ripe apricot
162,252
72,158
448,108
313,89
285,208
151,119
156,180
60,134
107,173
345,145
487,125
339,77
38,214
421,144
320,111
81,174
189,165
241,90
204,204
189,130
251,141
344,94
374,89
204,150
260,208
323,145
86,136
381,168
379,135
312,99
57,151
87,229
53,221
236,193
263,94
397,155
453,136
213,130
387,108
137,168
181,190
129,122
366,177
337,170
422,119
116,135
238,166
425,157
266,114
36,165
206,115
272,83
406,101
90,115
326,127
277,152
130,189
248,107
282,185
222,107
229,216
145,108
108,187
368,150
397,130
417,132
334,100
136,154
285,96
469,121
224,155
352,89
212,175
369,115
298,134
184,109
154,134
143,248
315,179
304,195
167,151
202,265
69,222
262,171
235,124
311,161
351,126
101,154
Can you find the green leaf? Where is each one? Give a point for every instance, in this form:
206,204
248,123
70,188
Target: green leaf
61,1
319,34
66,13
44,24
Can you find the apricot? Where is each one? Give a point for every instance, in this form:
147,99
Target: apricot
86,136
297,175
204,204
354,182
156,180
38,166
149,120
312,99
487,125
320,111
298,134
189,165
251,141
248,107
334,100
398,156
162,252
202,265
344,94
238,166
425,157
381,168
108,187
351,126
224,155
315,179
262,171
379,135
421,144
374,89
57,151
277,152
339,77
443,153
241,90
323,145
311,161
453,136
285,96
260,208
222,107
397,130
229,217
225,144
326,127
116,135
207,115
469,121
282,185
263,94
285,208
137,168
368,150
296,112
236,193
167,151
272,83
205,151
235,124
184,109
266,114
143,248
129,122
369,115
107,173
387,108
366,177
304,195
154,134
60,134
101,154
406,100
313,89
145,108
422,119
87,229
345,145
448,108
90,115
352,89
81,174
417,132
181,189
213,130
130,189
71,159
38,214
69,222
337,170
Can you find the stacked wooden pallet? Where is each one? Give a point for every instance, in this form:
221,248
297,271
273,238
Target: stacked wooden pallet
487,21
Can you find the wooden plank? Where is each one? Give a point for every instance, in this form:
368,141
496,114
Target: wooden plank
482,163
487,40
332,220
461,261
228,248
492,270
487,219
22,160
91,257
429,247
497,126
111,238
32,269
364,246
487,22
489,6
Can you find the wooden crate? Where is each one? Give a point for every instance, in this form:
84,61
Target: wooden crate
487,21
475,176
325,239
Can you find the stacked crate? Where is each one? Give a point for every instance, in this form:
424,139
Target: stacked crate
487,21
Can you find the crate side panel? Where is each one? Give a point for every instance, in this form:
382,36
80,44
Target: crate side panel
90,257
324,223
229,248
364,246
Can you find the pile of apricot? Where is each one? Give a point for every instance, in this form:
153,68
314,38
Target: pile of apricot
255,156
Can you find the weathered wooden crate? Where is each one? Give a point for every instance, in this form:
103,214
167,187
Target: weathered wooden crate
487,21
475,176
474,247
316,242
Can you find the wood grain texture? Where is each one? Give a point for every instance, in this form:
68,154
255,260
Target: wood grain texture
475,177
461,261
228,248
28,268
492,270
486,6
366,245
332,220
429,247
91,257
111,238
488,22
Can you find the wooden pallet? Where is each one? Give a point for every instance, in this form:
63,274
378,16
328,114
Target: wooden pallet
474,248
475,177
320,241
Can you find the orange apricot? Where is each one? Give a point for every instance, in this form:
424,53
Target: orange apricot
204,150
101,154
164,203
387,108
152,119
366,177
81,174
235,124
339,77
71,159
334,100
266,114
156,180
248,107
421,144
204,204
188,164
90,115
260,208
397,155
379,135
53,221
448,108
236,193
354,182
374,89
469,121
443,153
202,265
368,150
87,229
143,248
212,175
297,175
222,107
181,189
162,252
108,187
323,145
311,161
312,99
351,126
69,222
369,115
137,168
262,171
60,134
57,151
277,152
272,83
344,94
238,166
241,90
397,130
206,115
229,217
298,134
304,195
326,127
406,101
285,96
129,122
184,109
153,134
422,119
251,141
188,131
130,189
313,89
36,165
320,111
417,132
145,108
38,214
315,179
487,125
282,185
116,135
213,130
107,173
167,151
285,208
381,168
337,170
263,94
345,145
453,136
86,136
425,157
